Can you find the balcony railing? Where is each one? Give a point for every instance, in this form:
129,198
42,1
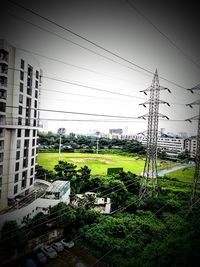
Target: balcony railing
3,55
3,69
23,122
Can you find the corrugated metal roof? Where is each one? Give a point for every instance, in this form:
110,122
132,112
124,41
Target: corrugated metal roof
56,186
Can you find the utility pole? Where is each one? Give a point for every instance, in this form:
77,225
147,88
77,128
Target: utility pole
149,181
196,178
97,133
61,131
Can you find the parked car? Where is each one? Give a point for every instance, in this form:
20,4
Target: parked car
49,252
58,246
67,244
41,257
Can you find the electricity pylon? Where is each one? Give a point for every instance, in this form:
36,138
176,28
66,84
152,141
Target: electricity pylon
196,178
149,181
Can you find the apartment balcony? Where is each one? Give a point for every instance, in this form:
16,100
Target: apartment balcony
3,56
3,70
3,82
14,123
3,94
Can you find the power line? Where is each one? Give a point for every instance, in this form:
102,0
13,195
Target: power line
80,85
91,42
65,39
130,2
70,64
84,113
76,113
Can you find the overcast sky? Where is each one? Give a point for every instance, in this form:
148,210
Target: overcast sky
116,26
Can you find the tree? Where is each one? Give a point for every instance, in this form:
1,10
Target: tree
81,182
65,170
13,236
62,215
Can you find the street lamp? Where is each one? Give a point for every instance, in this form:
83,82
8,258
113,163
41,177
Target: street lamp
61,131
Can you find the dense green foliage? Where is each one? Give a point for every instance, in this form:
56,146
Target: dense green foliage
158,232
87,144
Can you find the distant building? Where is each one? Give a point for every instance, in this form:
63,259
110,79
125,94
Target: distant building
173,146
19,121
101,204
115,131
191,145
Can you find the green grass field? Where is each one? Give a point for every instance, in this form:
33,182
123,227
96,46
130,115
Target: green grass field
98,163
185,174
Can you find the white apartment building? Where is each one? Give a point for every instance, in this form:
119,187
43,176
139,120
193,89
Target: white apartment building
191,145
171,145
19,121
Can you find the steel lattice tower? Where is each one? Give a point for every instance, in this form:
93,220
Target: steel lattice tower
149,181
196,178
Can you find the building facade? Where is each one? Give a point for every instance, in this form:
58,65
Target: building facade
191,146
20,79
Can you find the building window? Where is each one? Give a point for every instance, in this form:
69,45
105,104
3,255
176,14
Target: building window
26,143
3,55
19,121
36,84
32,162
16,177
30,71
31,181
2,132
29,91
1,145
2,107
1,157
21,75
24,175
32,170
35,103
33,152
18,143
17,155
0,182
27,133
22,64
17,166
23,185
35,113
28,102
29,82
1,169
21,99
33,142
25,153
34,132
19,133
20,110
36,93
25,163
15,189
37,74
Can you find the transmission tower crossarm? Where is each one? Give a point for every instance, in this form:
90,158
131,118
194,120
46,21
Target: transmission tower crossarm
197,102
195,89
149,102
